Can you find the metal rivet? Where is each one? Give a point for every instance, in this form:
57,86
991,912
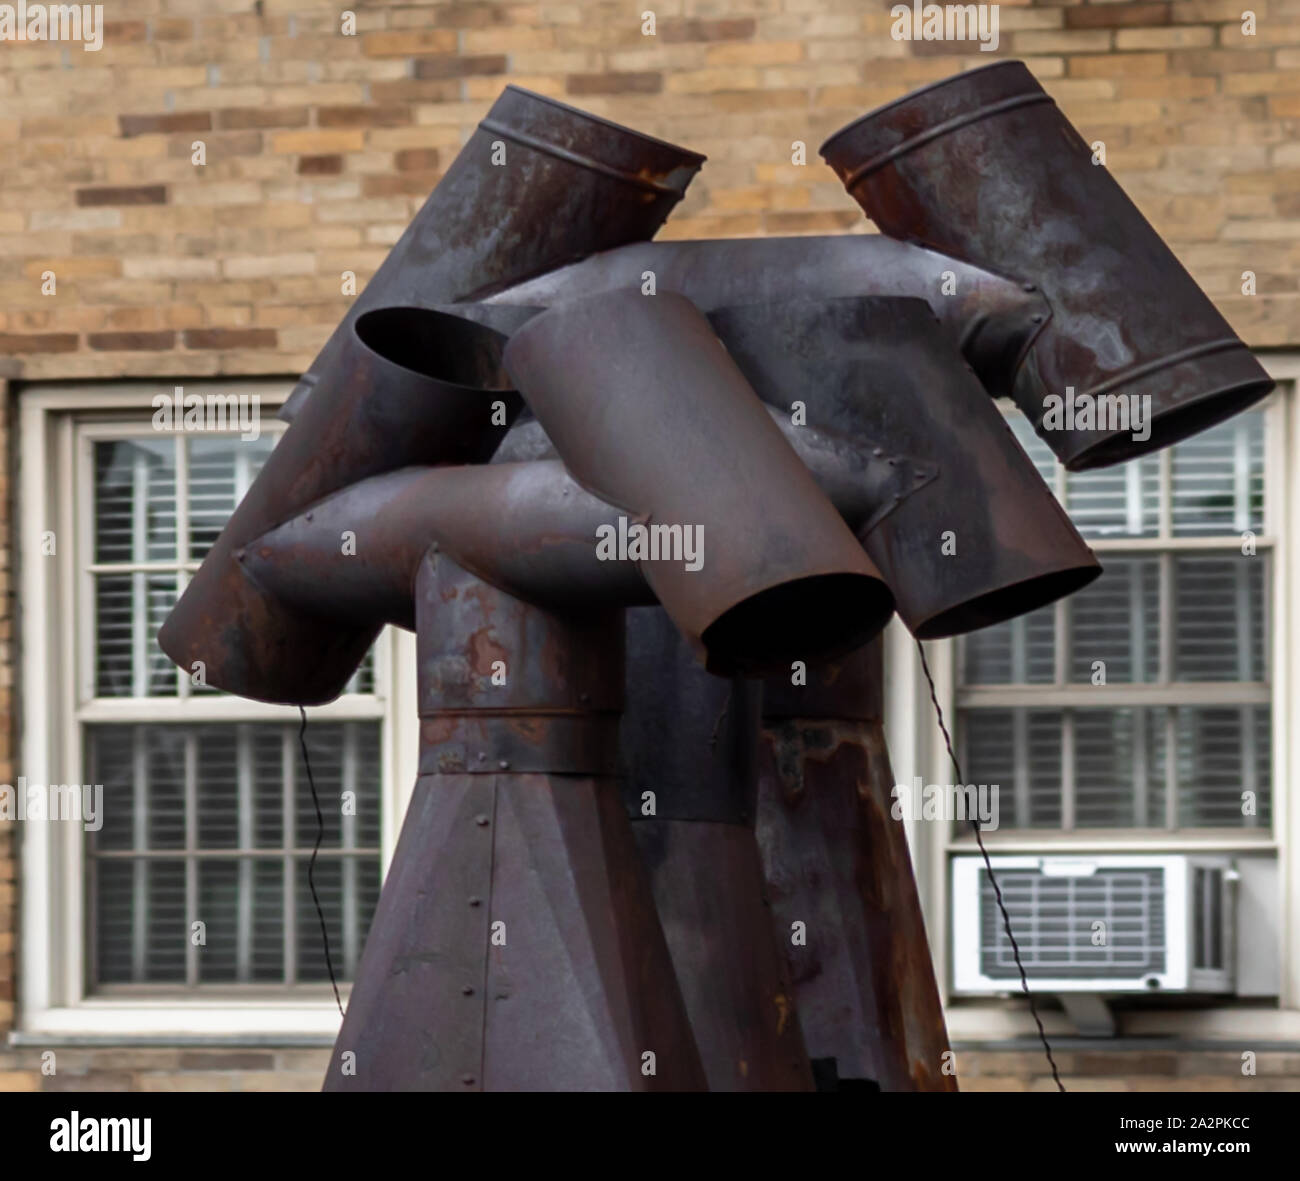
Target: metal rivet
475,901
307,517
467,1079
467,990
482,756
1030,287
877,451
481,821
1036,318
504,764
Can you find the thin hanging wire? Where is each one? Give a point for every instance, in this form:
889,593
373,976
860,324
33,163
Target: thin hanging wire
311,865
988,865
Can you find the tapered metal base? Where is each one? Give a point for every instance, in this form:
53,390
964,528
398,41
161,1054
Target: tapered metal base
515,947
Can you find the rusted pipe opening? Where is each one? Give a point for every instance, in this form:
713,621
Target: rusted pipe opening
1175,424
1007,602
446,348
819,617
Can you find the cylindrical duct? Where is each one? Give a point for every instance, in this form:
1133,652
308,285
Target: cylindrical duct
983,542
732,533
984,166
411,386
537,185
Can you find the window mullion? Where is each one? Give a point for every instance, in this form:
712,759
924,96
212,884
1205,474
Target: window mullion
139,867
191,857
244,889
1068,811
288,823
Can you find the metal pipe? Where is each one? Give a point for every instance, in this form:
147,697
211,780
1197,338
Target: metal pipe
410,386
656,419
985,166
984,541
538,184
991,317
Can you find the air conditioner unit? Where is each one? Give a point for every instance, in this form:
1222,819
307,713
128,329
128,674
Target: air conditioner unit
1097,924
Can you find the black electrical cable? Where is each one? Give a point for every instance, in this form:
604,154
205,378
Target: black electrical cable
311,865
988,865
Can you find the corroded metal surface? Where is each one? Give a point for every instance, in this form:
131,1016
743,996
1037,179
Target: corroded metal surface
537,185
372,414
983,542
986,167
656,419
516,944
990,317
837,864
689,746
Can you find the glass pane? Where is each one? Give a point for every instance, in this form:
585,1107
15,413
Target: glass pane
1019,651
229,866
1019,752
1218,479
1115,624
135,500
1118,768
221,469
1224,761
1219,617
1121,501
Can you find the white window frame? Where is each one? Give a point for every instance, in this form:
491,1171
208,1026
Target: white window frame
916,747
53,1003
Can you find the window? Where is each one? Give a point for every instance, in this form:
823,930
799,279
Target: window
1143,701
190,895
207,827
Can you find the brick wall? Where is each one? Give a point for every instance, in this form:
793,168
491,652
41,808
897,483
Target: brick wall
320,147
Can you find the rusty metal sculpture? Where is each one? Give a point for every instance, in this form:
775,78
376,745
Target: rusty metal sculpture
797,423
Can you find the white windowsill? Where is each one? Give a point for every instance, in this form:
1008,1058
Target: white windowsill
129,1019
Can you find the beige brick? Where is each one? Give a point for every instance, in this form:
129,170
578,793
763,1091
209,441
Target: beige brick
1126,65
1181,38
318,142
1065,41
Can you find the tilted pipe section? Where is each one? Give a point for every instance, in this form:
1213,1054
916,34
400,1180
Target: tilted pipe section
984,541
537,185
655,418
984,166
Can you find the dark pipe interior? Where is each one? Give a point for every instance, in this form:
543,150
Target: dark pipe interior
1176,423
446,348
809,619
1006,602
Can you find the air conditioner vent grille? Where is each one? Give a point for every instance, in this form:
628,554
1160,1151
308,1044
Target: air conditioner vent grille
1054,922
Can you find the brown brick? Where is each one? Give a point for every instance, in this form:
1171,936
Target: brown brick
1116,16
406,184
161,124
130,195
228,1060
132,342
409,43
416,160
230,338
391,116
240,118
121,32
320,165
411,91
12,344
468,16
676,31
433,68
583,84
